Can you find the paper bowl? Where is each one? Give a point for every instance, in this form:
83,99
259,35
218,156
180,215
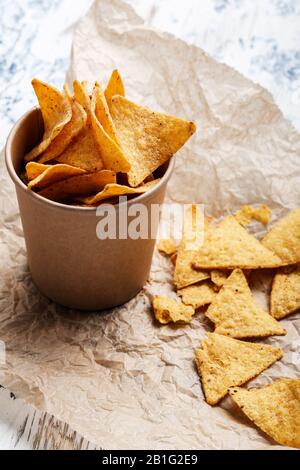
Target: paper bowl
68,262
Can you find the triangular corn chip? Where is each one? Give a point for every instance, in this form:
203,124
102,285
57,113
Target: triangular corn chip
284,238
81,185
56,111
197,295
147,138
247,213
103,114
168,310
67,135
112,155
114,87
167,246
195,230
34,169
113,190
53,174
231,246
275,409
285,294
235,313
218,276
81,95
225,362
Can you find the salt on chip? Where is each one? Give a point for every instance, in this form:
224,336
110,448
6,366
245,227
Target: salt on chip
235,312
285,294
81,185
231,246
284,238
148,139
197,295
102,113
168,310
53,174
167,246
113,190
195,230
247,213
67,135
274,408
111,154
34,169
225,362
56,112
218,277
114,87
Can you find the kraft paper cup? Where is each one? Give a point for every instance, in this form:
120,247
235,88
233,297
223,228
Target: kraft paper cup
68,262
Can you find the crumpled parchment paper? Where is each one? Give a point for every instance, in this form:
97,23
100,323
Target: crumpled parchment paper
116,377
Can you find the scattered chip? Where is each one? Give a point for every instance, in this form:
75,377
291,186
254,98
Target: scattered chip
285,294
81,185
168,310
53,174
231,246
235,313
225,362
67,135
247,213
112,190
34,169
197,295
102,113
167,246
275,409
56,111
112,155
147,138
284,238
114,87
195,229
218,277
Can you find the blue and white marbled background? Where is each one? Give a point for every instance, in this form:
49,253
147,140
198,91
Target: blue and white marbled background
260,38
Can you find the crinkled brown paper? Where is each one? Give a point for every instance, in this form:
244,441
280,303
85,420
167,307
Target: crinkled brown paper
116,377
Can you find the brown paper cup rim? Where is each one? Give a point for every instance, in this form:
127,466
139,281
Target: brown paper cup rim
18,182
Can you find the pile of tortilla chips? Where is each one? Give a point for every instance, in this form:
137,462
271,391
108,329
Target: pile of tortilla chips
212,265
100,146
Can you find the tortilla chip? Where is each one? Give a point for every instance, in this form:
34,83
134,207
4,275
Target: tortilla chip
247,213
53,174
167,246
103,114
285,295
194,226
81,95
275,409
284,238
168,310
225,362
197,295
34,169
112,190
67,135
112,155
231,246
81,185
235,313
114,87
147,138
218,277
56,111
